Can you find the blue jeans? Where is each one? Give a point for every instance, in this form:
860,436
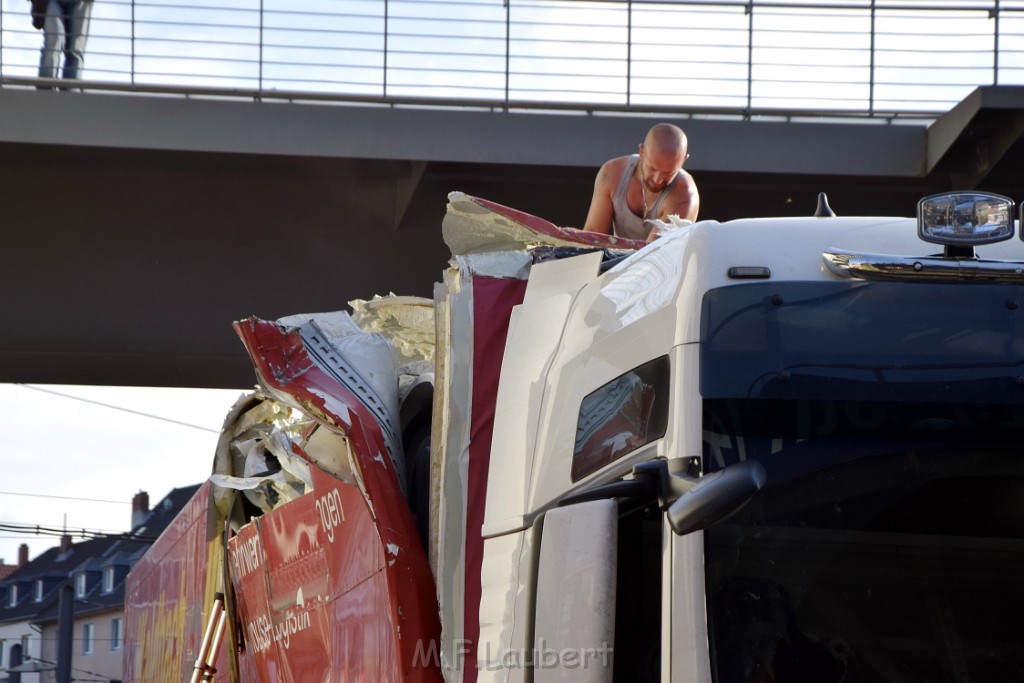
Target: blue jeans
64,30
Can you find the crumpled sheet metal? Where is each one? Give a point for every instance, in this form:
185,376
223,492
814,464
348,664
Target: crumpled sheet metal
473,225
300,366
342,566
364,363
260,449
370,351
250,412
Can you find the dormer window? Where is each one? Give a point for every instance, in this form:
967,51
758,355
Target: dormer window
38,595
80,585
108,580
12,599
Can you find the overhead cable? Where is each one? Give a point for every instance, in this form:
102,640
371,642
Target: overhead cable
86,534
113,407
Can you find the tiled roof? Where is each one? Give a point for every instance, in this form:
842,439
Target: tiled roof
51,564
164,512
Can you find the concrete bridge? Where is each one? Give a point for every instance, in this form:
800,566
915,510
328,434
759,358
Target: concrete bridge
138,226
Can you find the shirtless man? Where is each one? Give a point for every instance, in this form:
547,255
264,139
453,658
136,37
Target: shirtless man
651,184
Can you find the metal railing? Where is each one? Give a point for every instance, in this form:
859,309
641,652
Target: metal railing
859,57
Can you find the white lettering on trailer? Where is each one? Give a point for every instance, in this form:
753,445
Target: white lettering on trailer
246,557
293,624
331,512
259,631
262,632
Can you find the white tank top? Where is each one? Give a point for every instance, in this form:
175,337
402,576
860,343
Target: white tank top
625,223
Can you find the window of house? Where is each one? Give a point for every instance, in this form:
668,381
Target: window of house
116,633
80,584
108,580
39,590
12,600
87,633
623,415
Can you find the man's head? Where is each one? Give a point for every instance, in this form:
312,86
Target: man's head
662,156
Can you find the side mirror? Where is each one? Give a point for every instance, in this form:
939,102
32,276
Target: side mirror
692,503
716,496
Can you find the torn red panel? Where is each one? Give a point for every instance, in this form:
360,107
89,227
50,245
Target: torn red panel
543,227
348,592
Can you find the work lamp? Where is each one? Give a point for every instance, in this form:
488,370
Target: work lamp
965,218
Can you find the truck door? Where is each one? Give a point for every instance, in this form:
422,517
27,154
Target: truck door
598,602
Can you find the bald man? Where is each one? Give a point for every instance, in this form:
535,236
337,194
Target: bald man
651,184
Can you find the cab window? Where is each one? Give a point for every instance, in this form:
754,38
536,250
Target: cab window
621,416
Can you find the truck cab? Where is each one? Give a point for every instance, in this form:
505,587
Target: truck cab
866,387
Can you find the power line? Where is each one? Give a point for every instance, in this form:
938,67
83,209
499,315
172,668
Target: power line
43,495
85,534
113,407
19,527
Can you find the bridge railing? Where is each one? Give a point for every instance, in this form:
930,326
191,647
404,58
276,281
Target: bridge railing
859,57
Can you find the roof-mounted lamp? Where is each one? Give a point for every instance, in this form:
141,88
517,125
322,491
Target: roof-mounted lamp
962,220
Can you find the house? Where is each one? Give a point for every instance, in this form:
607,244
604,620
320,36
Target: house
65,608
10,638
31,591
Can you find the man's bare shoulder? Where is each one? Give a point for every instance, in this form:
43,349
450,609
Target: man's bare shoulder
616,164
685,186
683,198
611,171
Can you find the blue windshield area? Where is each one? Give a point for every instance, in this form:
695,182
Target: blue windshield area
887,544
864,341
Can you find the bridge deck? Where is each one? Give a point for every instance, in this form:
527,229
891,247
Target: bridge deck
138,227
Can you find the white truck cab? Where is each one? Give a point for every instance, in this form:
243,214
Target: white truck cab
862,392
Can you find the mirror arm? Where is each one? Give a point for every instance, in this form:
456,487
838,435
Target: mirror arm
634,488
651,479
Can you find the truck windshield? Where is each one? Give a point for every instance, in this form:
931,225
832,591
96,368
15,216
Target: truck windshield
896,341
888,542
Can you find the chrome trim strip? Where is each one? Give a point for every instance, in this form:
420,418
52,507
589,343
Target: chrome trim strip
920,268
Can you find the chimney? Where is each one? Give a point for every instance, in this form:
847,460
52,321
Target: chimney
140,508
23,554
65,543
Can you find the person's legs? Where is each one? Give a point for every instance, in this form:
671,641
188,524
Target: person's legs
53,39
77,24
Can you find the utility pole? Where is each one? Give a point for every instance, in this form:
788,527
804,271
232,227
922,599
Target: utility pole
65,632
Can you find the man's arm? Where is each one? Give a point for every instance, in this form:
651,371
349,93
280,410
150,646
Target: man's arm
684,200
599,218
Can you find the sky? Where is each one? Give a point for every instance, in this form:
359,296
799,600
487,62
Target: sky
76,455
820,54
